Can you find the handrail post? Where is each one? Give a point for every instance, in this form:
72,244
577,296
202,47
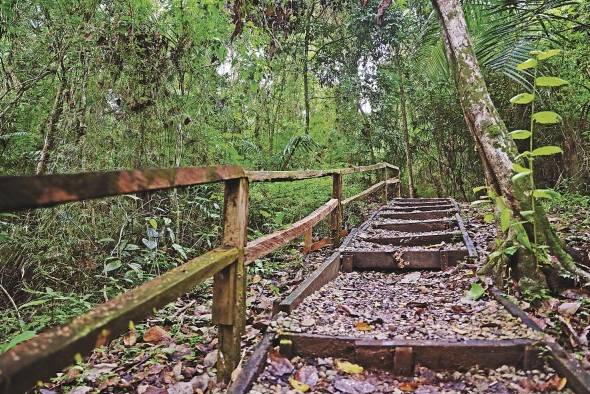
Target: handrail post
229,285
384,179
336,215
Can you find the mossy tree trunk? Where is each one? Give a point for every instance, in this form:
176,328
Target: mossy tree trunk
497,152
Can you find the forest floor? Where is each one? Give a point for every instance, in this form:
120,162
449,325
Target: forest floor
173,352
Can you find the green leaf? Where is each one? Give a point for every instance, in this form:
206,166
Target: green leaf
522,98
180,250
505,216
547,150
518,168
545,193
520,175
526,213
510,250
479,189
112,265
542,55
520,134
547,117
526,153
476,291
153,223
23,336
549,82
488,218
530,63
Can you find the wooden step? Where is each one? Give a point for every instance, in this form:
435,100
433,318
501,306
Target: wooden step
393,208
387,214
418,226
402,260
415,239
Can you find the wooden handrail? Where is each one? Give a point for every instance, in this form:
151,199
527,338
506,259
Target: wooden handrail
55,349
50,351
20,192
268,243
286,176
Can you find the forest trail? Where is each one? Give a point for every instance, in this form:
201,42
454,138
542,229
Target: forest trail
394,304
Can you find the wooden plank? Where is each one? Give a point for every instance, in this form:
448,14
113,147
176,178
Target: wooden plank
435,214
415,226
324,274
421,201
229,285
410,259
566,366
412,208
577,378
415,239
466,238
364,193
22,192
391,166
392,181
433,354
54,349
253,366
264,245
307,240
336,215
403,361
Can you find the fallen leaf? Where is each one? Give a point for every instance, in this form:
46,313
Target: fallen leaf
562,384
308,322
348,367
352,386
80,390
307,375
155,334
200,382
279,365
347,310
210,359
412,277
362,326
97,370
297,385
130,338
181,388
408,386
568,308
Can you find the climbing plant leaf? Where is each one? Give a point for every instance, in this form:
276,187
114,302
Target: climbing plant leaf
550,82
547,150
520,134
522,98
530,63
547,117
542,55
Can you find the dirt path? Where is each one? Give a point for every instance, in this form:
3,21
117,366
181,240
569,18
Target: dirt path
346,336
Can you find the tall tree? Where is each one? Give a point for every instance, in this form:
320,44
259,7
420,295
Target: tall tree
498,153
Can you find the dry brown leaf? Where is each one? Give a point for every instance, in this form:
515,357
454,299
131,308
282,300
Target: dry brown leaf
155,334
362,326
279,365
130,338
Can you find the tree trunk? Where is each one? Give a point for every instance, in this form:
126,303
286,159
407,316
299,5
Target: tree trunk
495,147
402,99
51,127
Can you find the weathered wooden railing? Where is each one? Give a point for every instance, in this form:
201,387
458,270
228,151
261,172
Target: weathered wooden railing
54,349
